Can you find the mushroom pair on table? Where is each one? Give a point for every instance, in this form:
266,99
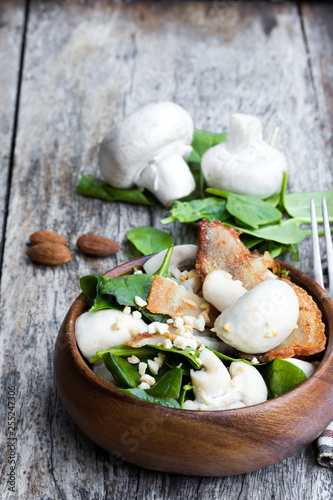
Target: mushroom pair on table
149,148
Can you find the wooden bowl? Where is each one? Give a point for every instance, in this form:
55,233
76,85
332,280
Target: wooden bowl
214,443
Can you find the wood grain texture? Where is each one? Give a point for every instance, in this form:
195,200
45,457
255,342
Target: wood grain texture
87,64
11,34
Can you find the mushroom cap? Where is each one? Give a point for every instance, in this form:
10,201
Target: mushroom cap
245,164
152,132
248,382
93,330
261,319
221,290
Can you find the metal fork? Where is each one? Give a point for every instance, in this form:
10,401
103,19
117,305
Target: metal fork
318,271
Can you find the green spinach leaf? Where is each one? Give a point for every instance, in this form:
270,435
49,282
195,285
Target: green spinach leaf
201,142
144,396
169,384
91,186
149,239
190,211
281,377
124,372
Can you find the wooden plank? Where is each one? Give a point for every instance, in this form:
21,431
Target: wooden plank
11,33
87,66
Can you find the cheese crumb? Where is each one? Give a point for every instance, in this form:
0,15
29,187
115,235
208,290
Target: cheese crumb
182,342
138,271
127,310
199,323
136,314
201,347
160,358
148,379
167,344
143,385
269,335
133,360
142,368
227,327
139,301
178,322
153,366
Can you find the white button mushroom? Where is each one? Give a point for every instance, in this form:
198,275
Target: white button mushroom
248,383
211,385
147,149
261,319
308,368
244,164
221,290
182,254
104,329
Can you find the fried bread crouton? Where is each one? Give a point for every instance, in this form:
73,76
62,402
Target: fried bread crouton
221,248
167,297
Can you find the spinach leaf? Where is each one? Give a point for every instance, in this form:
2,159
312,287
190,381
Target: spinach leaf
190,211
149,239
274,199
151,350
141,394
126,288
91,186
124,372
91,287
298,205
124,351
281,377
287,232
201,142
224,357
169,384
249,210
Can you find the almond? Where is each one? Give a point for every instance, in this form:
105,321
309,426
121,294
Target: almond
98,246
49,254
47,236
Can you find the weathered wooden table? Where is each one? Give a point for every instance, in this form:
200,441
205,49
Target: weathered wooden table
69,70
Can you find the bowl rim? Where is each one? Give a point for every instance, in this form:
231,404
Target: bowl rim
318,294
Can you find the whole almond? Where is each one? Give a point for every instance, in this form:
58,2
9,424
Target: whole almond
98,246
49,254
47,236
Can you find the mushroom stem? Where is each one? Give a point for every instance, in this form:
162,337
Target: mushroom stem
169,178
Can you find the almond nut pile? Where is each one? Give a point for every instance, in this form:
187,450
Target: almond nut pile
51,249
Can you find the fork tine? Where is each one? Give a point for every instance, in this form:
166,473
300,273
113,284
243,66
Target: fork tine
328,241
318,272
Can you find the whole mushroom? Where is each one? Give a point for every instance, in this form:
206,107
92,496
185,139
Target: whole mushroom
245,164
147,150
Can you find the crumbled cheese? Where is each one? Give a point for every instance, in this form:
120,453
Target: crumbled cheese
170,321
138,272
167,344
254,361
143,385
148,379
142,368
153,366
268,335
136,314
133,360
139,301
180,331
115,326
160,358
275,333
152,328
127,310
201,347
178,322
227,327
199,323
198,360
182,342
162,328
192,353
189,320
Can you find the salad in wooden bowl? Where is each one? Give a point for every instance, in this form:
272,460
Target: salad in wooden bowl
211,361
